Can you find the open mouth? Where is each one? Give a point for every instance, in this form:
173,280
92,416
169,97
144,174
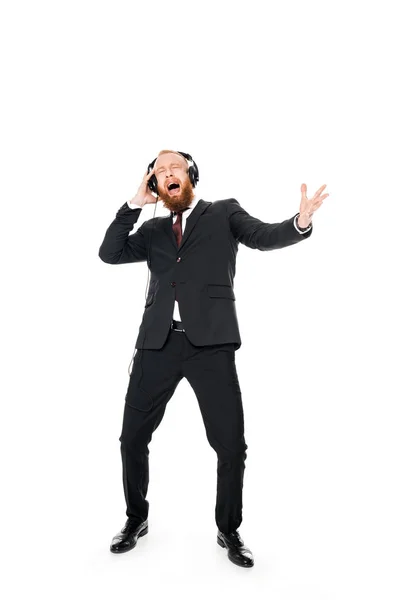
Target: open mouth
173,188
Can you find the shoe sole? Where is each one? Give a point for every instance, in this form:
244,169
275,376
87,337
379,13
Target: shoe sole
223,545
142,533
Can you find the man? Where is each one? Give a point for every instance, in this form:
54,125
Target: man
190,329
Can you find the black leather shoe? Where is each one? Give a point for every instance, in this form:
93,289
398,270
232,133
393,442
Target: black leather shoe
127,538
238,553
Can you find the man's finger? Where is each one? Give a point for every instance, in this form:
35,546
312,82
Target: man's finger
317,205
320,199
319,190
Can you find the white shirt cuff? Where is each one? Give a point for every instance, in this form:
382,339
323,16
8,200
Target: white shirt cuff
133,205
295,224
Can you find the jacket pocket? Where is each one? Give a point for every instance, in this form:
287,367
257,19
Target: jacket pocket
221,291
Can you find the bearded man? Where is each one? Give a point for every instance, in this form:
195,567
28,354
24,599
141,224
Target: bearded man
190,329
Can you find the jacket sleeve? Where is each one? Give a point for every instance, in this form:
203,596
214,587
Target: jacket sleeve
259,235
118,247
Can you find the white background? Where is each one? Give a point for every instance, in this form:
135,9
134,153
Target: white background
264,96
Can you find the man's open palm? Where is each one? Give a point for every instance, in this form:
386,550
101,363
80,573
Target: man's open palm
309,205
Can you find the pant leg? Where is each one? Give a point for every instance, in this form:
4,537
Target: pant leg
211,372
154,378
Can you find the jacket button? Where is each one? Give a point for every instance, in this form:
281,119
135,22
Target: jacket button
178,259
173,283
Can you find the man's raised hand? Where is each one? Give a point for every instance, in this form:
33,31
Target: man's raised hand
309,205
144,195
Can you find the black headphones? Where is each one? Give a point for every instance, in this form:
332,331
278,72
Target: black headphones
193,173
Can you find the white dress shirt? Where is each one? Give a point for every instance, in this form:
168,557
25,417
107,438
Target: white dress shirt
176,315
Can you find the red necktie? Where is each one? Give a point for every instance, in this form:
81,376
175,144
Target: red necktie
177,227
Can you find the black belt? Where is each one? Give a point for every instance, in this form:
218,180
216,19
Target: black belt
177,325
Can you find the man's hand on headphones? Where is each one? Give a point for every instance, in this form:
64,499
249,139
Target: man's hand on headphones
309,206
144,195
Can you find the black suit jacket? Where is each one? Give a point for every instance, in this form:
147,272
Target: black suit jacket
201,271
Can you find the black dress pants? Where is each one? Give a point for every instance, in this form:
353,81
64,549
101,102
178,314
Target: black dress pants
211,372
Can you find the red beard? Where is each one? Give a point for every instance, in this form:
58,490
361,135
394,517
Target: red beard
178,201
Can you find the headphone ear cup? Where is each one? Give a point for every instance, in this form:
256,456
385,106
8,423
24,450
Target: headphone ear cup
192,176
193,170
152,183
